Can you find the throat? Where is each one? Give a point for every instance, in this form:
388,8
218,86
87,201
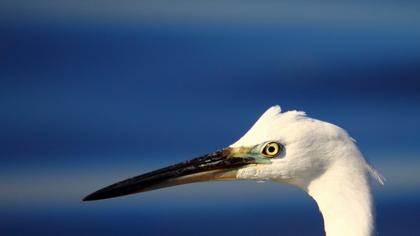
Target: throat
344,199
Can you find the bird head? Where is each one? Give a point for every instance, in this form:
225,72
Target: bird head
286,147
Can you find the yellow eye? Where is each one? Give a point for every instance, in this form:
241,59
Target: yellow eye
271,149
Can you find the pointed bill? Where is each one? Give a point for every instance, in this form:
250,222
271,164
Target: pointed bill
219,165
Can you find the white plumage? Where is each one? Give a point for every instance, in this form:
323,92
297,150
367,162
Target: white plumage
323,160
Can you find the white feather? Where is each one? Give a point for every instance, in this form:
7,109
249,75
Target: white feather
323,160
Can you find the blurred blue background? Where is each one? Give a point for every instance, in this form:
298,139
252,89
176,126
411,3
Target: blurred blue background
92,92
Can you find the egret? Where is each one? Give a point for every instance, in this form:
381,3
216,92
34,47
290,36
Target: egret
286,147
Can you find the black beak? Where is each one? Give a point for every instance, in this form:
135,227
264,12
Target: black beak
220,165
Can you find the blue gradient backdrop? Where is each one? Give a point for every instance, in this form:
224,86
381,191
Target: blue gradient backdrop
93,92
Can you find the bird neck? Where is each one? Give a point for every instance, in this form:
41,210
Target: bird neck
344,199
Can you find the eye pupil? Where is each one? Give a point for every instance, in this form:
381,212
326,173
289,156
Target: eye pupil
271,149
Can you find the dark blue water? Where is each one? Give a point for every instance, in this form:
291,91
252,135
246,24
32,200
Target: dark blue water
218,219
85,103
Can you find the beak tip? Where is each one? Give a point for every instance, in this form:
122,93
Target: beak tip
94,196
104,193
88,198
